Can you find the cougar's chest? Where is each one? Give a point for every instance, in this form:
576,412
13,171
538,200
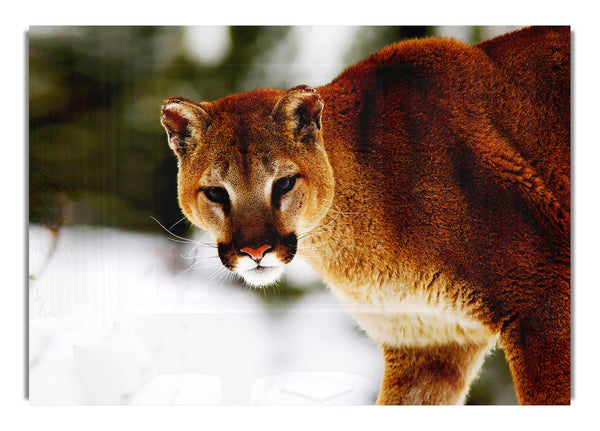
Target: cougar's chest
395,316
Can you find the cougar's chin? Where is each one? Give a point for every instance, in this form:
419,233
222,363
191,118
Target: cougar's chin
268,271
262,276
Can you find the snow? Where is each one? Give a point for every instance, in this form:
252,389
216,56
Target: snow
179,389
312,389
125,318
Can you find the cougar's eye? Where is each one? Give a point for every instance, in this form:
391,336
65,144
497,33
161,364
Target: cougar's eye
216,194
283,185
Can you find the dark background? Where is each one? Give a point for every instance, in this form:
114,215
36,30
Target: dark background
98,154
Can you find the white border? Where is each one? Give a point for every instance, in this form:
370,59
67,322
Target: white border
17,18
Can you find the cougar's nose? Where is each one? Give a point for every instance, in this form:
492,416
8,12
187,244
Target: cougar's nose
256,253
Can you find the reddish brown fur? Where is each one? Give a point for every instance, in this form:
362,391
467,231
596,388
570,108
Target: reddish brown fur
460,157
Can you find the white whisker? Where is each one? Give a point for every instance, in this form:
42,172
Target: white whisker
184,240
177,222
309,250
217,275
319,229
222,277
308,246
185,271
200,259
340,212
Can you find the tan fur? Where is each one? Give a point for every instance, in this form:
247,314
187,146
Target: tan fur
430,374
429,185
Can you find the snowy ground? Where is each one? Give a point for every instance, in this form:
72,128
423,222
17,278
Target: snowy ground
116,318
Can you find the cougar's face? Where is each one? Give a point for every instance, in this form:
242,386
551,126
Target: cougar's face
253,173
253,208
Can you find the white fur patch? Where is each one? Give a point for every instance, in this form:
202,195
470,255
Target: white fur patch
286,201
268,188
179,109
268,272
397,320
217,210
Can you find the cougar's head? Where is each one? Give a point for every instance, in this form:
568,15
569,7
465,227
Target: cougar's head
253,172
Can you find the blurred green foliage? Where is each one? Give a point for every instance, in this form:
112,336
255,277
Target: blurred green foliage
494,384
98,154
95,141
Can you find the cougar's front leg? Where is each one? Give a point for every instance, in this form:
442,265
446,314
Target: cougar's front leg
437,374
539,357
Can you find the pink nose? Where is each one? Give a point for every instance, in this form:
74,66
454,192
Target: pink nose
256,253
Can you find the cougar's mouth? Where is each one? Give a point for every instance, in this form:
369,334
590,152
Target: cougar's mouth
260,269
267,271
262,275
253,269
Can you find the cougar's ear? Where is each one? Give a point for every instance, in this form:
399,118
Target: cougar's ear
300,109
185,122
